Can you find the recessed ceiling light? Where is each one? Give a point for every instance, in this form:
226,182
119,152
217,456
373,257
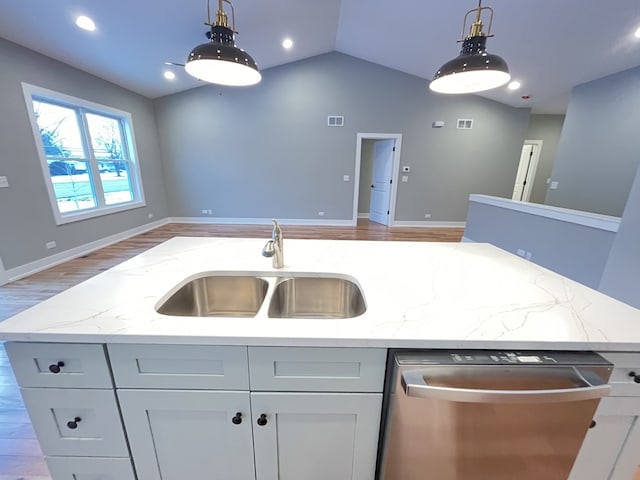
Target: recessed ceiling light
515,85
85,23
287,43
637,34
169,75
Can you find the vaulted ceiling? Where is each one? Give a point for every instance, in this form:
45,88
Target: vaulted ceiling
550,45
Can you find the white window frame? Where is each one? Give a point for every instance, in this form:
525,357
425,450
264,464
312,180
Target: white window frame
135,177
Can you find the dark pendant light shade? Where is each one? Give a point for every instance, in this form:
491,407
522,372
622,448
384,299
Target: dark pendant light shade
220,61
474,70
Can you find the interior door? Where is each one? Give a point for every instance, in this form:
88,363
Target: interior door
381,181
525,175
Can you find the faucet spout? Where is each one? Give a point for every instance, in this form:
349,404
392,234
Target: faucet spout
273,247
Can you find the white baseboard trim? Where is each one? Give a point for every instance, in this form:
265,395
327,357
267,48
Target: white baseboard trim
467,240
363,215
261,221
429,224
22,271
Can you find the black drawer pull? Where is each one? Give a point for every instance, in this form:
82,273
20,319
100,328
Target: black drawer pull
55,367
237,420
635,376
73,424
262,421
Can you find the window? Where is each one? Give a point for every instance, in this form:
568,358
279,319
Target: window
87,153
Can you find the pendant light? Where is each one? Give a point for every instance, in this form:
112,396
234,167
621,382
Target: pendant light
474,70
220,61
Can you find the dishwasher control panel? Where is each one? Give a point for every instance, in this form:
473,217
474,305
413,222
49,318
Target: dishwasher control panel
498,357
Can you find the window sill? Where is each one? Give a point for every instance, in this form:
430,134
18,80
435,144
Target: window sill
96,212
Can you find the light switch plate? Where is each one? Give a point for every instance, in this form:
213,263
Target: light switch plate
4,182
554,185
405,179
346,178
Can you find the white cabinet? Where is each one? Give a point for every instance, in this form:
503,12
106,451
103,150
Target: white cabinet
611,448
68,392
189,434
257,413
316,436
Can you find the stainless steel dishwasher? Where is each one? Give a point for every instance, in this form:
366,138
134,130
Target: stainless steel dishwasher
488,415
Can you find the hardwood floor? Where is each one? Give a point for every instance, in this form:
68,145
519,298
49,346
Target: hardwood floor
20,455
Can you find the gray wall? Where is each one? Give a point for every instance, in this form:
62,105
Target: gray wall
366,175
621,277
600,146
25,211
547,128
266,151
576,251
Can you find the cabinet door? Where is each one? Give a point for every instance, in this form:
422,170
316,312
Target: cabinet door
90,468
76,422
628,464
315,436
599,452
188,434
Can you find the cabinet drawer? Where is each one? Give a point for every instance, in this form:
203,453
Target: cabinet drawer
621,381
78,468
74,422
59,365
179,366
291,369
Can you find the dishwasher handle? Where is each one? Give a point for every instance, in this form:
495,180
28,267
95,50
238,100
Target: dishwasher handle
414,385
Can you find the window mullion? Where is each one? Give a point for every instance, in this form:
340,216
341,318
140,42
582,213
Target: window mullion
93,163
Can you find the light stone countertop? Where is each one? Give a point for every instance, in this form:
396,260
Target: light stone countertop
428,295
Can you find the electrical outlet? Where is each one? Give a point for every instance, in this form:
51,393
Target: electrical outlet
520,252
204,210
321,214
554,185
405,178
527,255
427,215
346,178
150,215
50,245
210,212
4,182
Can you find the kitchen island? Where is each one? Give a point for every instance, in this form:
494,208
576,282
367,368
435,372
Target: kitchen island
147,378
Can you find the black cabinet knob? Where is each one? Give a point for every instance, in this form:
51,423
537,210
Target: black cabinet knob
73,424
55,367
237,420
635,376
593,424
262,421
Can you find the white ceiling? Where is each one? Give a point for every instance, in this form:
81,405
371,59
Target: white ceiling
550,45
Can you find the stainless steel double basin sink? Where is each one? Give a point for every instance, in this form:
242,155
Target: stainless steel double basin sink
242,295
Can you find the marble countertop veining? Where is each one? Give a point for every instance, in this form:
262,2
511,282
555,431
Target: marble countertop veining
428,295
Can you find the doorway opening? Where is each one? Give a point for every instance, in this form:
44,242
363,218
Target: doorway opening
527,167
376,177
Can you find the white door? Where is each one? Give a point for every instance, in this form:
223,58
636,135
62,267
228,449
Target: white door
315,436
383,151
3,273
189,434
526,172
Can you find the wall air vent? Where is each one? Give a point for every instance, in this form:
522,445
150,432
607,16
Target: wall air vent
465,124
335,121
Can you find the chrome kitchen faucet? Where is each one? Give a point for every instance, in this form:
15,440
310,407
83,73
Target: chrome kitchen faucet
273,248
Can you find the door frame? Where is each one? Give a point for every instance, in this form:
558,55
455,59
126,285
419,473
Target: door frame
394,173
3,273
533,167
